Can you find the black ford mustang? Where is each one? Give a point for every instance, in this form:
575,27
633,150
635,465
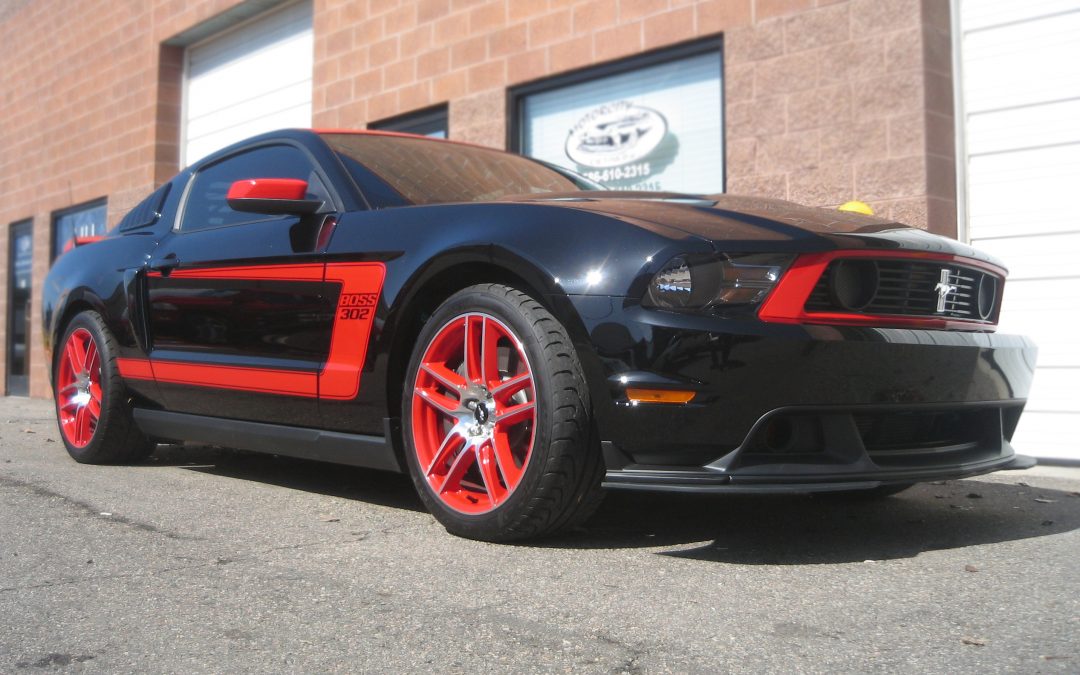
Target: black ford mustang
517,338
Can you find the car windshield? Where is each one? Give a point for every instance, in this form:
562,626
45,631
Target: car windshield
426,171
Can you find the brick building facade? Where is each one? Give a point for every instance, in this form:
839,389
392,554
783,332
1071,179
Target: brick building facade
823,100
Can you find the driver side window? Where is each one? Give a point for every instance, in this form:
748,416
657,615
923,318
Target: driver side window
206,207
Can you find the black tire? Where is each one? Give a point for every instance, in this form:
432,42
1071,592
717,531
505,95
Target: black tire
871,494
560,486
115,439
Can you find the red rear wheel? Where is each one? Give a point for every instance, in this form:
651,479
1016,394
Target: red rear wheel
474,413
78,388
93,407
496,418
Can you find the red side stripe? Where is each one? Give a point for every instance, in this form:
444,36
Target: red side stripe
135,369
291,383
339,378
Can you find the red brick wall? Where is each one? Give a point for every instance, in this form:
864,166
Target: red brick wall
826,100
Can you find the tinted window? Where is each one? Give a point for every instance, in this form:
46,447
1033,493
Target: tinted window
437,172
87,220
432,123
206,206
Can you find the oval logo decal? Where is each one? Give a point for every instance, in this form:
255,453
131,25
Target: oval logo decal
614,134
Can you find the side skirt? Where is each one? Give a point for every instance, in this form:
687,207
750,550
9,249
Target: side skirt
371,452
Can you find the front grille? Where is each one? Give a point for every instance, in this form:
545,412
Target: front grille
907,288
928,438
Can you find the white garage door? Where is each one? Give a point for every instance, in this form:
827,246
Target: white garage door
1020,64
251,79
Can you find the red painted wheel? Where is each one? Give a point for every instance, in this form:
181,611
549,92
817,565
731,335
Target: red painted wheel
78,388
496,418
474,413
93,407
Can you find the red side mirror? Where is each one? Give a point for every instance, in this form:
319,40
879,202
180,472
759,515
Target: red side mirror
273,196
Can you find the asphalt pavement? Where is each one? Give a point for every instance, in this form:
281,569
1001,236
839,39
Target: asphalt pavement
210,560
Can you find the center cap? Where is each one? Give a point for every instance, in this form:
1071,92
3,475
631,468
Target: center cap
480,412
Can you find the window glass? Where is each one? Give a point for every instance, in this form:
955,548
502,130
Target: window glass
87,220
432,123
206,206
652,128
20,270
438,172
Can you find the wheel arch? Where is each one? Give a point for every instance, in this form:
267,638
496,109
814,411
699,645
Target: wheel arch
443,277
75,303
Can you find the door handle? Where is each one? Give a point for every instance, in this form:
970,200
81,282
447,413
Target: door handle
166,265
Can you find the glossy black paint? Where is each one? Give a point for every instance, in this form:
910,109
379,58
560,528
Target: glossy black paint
586,256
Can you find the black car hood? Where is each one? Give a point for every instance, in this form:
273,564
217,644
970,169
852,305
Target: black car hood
737,223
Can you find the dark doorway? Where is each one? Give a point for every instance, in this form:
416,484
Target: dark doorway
20,266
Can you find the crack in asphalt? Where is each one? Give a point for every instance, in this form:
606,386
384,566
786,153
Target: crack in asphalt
90,510
250,556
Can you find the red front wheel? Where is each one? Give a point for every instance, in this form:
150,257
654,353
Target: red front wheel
491,456
92,406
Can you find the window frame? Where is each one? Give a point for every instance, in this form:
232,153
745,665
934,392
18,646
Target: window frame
9,309
335,202
67,211
515,96
415,118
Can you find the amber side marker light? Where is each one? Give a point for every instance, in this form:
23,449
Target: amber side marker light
659,395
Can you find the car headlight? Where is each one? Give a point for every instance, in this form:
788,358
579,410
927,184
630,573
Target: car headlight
697,282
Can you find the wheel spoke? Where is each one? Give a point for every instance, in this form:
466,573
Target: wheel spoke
95,392
68,389
82,425
436,400
473,349
516,414
91,360
505,459
485,457
508,388
452,442
94,406
489,353
74,356
458,468
444,375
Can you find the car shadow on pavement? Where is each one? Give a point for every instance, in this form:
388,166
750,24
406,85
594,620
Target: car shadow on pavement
800,530
765,530
374,487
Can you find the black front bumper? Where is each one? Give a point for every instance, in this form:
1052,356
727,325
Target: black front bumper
799,408
836,453
705,481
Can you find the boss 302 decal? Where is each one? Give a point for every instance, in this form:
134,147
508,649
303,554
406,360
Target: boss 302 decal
360,283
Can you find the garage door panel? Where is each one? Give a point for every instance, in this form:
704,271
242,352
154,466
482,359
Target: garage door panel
1022,63
1048,435
1036,257
1023,192
249,80
280,119
1021,102
273,102
991,13
1049,312
247,76
1055,391
1024,128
